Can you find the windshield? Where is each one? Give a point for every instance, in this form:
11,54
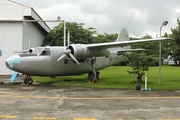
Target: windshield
42,51
38,50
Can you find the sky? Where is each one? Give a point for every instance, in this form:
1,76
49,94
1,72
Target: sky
139,17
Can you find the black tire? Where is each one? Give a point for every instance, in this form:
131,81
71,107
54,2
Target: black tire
28,80
97,75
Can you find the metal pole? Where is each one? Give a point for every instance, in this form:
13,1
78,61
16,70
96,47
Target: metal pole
163,24
145,81
64,33
160,56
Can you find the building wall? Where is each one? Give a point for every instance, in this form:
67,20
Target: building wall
16,35
10,9
10,41
32,36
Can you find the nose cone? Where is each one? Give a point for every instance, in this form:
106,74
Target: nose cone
11,61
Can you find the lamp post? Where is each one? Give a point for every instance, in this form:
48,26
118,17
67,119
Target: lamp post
163,24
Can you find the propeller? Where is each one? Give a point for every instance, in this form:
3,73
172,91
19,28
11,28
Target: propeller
67,52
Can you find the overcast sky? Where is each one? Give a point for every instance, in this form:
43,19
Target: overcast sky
139,17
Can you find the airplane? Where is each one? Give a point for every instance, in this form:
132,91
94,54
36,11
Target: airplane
73,59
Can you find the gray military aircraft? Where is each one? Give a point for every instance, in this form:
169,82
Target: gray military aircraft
62,61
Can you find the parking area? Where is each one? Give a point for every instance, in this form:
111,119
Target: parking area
39,102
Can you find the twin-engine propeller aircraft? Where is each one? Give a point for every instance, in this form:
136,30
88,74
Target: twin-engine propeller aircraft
62,61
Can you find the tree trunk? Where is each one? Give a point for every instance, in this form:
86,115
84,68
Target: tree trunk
139,79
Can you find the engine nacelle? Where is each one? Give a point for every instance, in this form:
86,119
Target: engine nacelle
31,50
80,51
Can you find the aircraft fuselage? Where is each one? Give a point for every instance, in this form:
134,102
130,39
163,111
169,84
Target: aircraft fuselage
43,63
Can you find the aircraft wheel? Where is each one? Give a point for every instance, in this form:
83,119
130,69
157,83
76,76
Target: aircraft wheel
92,76
28,80
97,75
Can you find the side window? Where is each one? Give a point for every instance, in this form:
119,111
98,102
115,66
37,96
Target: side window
46,52
0,52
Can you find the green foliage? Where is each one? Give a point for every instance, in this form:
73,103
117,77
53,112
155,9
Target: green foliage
150,48
140,62
101,38
174,48
77,35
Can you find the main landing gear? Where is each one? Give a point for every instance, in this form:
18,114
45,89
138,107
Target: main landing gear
28,81
93,76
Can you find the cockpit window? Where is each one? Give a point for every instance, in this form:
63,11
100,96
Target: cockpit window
42,51
46,52
38,50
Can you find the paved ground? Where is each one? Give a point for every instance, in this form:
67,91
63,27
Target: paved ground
40,102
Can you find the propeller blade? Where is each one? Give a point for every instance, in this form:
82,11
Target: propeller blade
67,52
61,57
72,56
68,38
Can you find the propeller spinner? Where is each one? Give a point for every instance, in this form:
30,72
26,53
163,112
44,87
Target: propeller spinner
67,52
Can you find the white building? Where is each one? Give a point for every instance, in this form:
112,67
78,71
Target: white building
16,35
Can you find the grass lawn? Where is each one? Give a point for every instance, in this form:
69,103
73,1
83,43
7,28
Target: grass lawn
118,77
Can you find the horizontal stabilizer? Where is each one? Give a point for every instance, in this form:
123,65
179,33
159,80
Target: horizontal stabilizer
122,51
129,50
23,51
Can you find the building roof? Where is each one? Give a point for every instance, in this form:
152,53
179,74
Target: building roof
14,11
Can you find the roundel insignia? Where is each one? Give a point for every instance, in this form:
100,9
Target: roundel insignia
110,58
126,36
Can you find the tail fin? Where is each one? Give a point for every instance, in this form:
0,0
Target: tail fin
123,35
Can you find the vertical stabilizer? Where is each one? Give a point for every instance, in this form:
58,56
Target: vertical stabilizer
123,35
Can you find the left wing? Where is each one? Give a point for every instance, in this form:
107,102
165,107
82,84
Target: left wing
101,46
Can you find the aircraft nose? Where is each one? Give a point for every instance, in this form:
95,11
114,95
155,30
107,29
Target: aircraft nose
11,61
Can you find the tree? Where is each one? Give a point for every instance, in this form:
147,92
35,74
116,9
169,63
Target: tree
141,60
175,49
101,38
77,35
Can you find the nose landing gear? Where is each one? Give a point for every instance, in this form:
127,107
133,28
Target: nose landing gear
28,81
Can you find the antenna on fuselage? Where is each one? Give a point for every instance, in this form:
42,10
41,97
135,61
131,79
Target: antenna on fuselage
64,33
68,39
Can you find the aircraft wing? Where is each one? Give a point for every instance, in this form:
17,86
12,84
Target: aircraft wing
84,51
100,46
